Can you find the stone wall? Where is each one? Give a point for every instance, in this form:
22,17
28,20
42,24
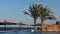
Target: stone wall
46,27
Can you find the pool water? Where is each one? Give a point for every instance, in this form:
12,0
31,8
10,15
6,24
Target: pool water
20,32
29,32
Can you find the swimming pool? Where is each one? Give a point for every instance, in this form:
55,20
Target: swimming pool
20,32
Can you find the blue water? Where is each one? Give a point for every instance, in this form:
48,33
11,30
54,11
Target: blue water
20,32
18,28
29,32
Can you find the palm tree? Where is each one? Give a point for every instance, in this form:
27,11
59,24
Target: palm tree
46,14
34,11
37,10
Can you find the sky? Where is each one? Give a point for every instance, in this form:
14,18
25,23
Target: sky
12,10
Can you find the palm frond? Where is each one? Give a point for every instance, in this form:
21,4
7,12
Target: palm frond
51,17
26,13
35,10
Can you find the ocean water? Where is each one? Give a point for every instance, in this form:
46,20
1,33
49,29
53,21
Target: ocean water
29,32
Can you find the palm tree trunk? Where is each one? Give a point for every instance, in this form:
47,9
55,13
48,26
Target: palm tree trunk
42,20
34,24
